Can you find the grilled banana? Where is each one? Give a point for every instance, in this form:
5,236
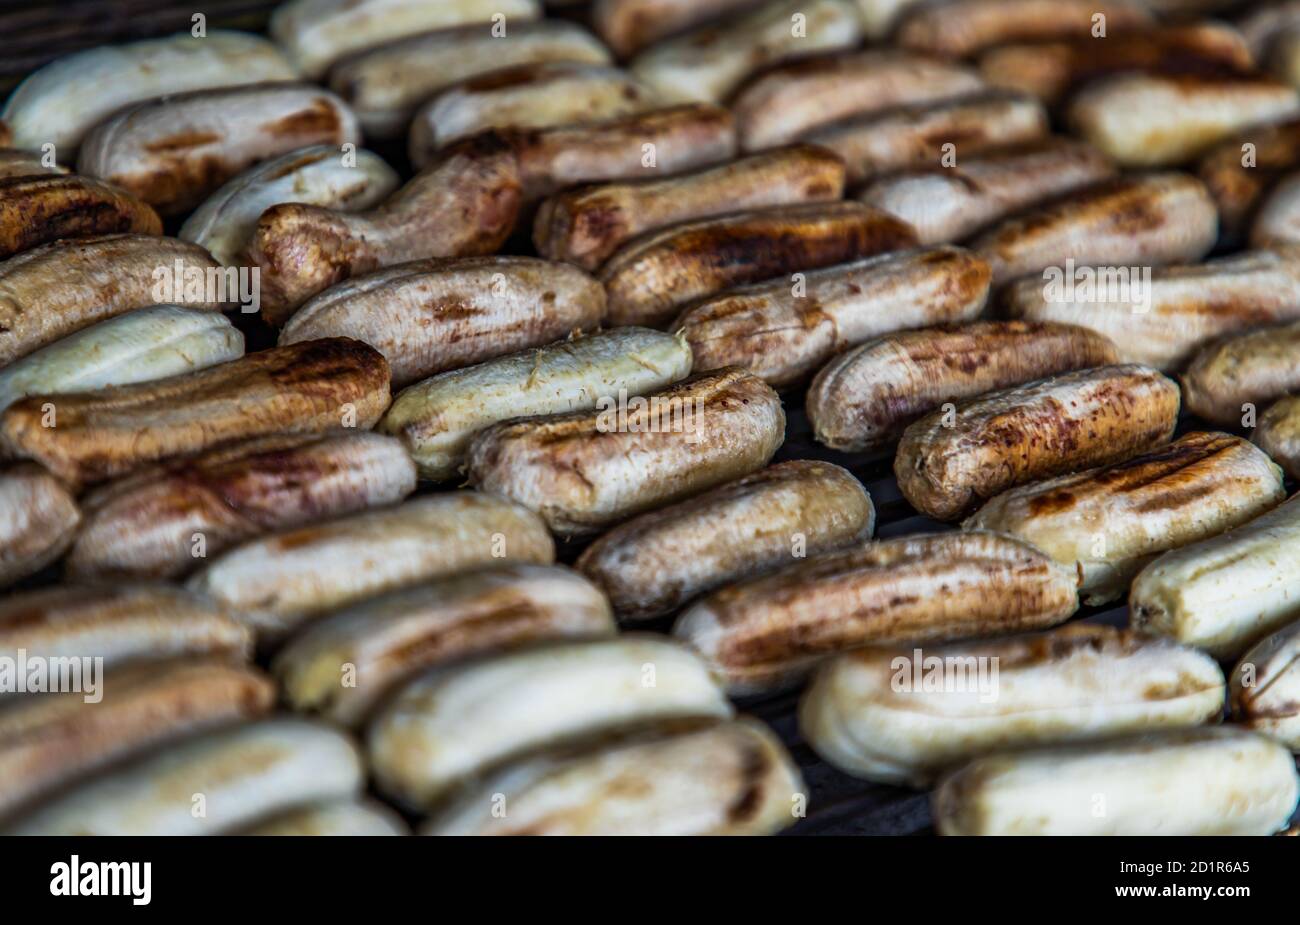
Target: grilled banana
345,663
1278,218
769,632
951,203
38,520
431,316
1164,319
140,346
119,623
1052,70
1151,120
864,398
280,582
1238,172
1221,781
528,96
1254,369
787,101
161,522
965,27
957,457
727,778
214,784
653,564
60,102
708,63
320,175
648,146
43,209
588,470
174,151
349,817
933,134
385,85
1144,220
462,205
1108,523
436,418
783,333
47,741
1278,434
302,388
1225,593
586,225
455,723
317,33
1263,687
52,291
627,26
901,716
15,162
652,277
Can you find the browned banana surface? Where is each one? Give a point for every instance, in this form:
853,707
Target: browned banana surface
589,470
954,458
864,398
647,146
150,523
655,563
40,209
462,205
966,27
1238,171
1141,220
302,388
769,632
627,26
584,226
652,277
38,520
1251,369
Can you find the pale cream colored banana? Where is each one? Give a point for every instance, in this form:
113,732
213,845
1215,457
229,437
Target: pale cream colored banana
951,203
436,419
164,520
318,175
1108,523
1277,221
590,469
1225,593
1266,21
1263,687
1163,318
1277,433
879,17
120,623
214,784
175,151
1151,120
935,134
348,817
345,663
38,521
317,33
431,316
1214,781
385,85
1143,221
278,583
54,290
769,632
453,724
139,346
529,96
707,64
783,331
655,563
728,778
901,715
48,740
786,102
60,102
